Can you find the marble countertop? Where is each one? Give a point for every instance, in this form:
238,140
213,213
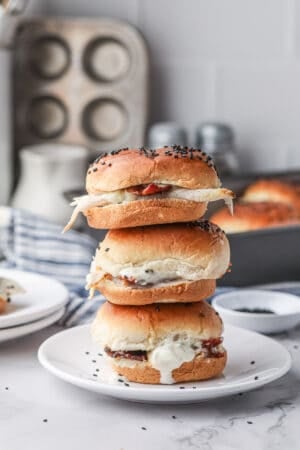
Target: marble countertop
40,412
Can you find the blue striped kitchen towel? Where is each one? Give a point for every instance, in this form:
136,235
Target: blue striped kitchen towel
30,243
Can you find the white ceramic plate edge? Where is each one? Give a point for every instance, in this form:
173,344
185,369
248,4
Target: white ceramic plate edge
150,396
29,314
37,325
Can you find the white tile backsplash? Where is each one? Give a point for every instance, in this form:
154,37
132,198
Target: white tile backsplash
232,60
187,89
198,30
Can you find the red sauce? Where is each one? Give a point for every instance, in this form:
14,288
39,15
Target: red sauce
148,189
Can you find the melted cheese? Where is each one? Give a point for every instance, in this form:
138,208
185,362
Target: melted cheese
102,199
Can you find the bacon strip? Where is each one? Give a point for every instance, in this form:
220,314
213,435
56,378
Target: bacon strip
148,189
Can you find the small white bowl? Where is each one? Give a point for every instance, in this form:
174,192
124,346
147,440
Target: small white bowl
286,308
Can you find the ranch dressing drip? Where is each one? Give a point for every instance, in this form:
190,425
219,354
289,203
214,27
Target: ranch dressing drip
170,355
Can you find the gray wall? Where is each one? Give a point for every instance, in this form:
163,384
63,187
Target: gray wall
231,60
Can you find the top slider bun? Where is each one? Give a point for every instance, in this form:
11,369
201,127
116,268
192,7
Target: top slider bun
156,264
253,216
187,168
274,191
135,187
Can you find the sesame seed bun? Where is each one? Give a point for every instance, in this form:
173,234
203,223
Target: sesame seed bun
144,212
253,216
148,328
169,263
274,191
187,168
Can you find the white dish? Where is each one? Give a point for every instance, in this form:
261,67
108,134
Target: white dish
285,306
43,297
22,330
73,357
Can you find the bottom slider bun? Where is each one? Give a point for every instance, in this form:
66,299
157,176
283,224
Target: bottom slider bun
253,216
3,304
161,344
144,212
189,291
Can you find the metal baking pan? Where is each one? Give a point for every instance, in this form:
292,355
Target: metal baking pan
263,256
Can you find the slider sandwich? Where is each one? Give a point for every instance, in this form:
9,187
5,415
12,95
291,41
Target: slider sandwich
272,190
134,187
160,264
161,344
256,215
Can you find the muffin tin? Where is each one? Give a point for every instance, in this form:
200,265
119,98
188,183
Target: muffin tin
80,81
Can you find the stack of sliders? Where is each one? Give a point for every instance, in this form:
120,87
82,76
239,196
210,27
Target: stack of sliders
157,263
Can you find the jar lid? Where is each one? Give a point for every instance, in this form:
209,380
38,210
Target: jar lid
214,136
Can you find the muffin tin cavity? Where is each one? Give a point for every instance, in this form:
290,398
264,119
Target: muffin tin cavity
81,82
50,57
47,117
105,119
107,60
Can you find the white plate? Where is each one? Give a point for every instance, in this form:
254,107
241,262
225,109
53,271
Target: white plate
71,356
43,297
22,330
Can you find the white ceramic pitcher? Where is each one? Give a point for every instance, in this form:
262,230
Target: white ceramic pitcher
47,171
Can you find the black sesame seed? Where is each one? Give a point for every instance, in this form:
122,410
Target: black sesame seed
144,428
100,354
255,378
126,384
87,353
45,420
95,169
252,362
89,172
97,370
109,165
240,394
194,387
249,422
95,375
174,417
120,380
181,387
6,388
107,249
94,361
